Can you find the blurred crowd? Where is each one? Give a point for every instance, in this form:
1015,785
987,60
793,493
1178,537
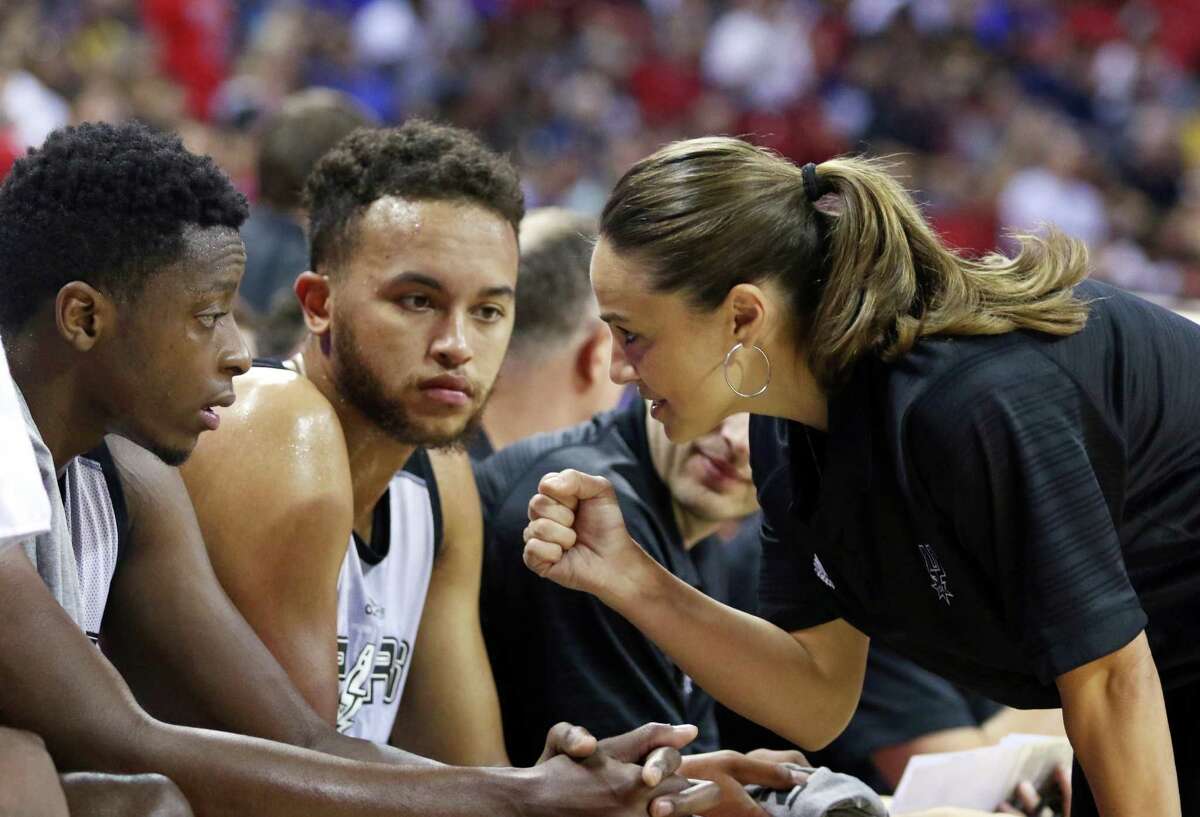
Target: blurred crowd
1001,114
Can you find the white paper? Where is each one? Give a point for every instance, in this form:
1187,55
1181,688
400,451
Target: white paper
978,778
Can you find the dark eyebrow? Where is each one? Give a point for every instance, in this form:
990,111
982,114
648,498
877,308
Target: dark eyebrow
613,317
416,278
497,292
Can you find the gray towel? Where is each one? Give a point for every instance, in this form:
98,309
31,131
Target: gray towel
826,794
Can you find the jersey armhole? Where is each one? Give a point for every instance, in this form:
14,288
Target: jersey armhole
116,494
419,465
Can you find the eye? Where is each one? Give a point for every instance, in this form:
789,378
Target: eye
417,303
209,319
489,313
627,338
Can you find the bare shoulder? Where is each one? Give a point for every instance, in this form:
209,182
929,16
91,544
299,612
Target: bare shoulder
281,432
457,493
455,479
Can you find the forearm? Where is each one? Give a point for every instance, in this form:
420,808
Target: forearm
735,656
331,742
1117,723
225,775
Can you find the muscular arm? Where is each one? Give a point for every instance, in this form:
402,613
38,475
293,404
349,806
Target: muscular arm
273,496
449,710
58,685
174,633
1117,722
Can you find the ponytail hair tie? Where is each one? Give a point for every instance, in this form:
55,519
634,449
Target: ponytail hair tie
813,186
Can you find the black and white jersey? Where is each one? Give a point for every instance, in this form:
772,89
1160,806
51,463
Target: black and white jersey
381,593
94,505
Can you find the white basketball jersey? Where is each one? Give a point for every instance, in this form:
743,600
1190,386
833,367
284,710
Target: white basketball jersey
95,509
381,593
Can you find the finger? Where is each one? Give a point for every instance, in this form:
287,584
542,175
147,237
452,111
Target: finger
542,506
631,747
570,486
550,531
1027,797
568,739
780,756
541,556
661,764
1062,776
696,799
752,771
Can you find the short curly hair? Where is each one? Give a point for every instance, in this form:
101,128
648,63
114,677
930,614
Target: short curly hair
419,160
107,204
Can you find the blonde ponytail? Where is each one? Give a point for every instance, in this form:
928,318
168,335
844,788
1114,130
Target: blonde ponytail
890,280
869,276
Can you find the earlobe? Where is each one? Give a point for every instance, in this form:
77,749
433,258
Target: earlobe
316,299
82,314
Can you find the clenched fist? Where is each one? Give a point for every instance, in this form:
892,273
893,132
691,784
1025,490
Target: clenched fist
576,537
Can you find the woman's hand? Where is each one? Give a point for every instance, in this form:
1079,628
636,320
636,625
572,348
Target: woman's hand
576,537
733,771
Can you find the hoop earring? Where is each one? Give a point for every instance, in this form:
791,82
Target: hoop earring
725,370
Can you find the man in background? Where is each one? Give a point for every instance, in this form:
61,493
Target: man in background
303,130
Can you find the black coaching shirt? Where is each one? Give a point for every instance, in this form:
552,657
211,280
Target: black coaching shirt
1000,509
559,654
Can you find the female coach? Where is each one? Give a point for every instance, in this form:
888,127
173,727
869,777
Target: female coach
991,466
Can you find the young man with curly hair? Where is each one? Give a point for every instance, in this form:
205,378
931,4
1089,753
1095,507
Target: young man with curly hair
350,522
120,258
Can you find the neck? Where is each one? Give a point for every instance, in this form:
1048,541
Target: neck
793,393
508,418
374,456
692,528
68,420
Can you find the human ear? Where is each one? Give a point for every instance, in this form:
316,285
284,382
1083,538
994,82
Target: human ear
83,314
746,308
592,357
315,297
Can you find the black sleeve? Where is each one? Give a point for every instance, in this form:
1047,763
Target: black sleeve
1031,477
790,594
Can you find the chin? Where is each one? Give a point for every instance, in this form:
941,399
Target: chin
171,453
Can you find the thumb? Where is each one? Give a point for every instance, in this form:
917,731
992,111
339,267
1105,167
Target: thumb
570,487
631,747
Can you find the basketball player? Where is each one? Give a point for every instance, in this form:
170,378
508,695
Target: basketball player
332,536
120,258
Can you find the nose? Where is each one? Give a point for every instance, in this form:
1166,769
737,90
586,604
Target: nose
620,370
450,347
235,358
